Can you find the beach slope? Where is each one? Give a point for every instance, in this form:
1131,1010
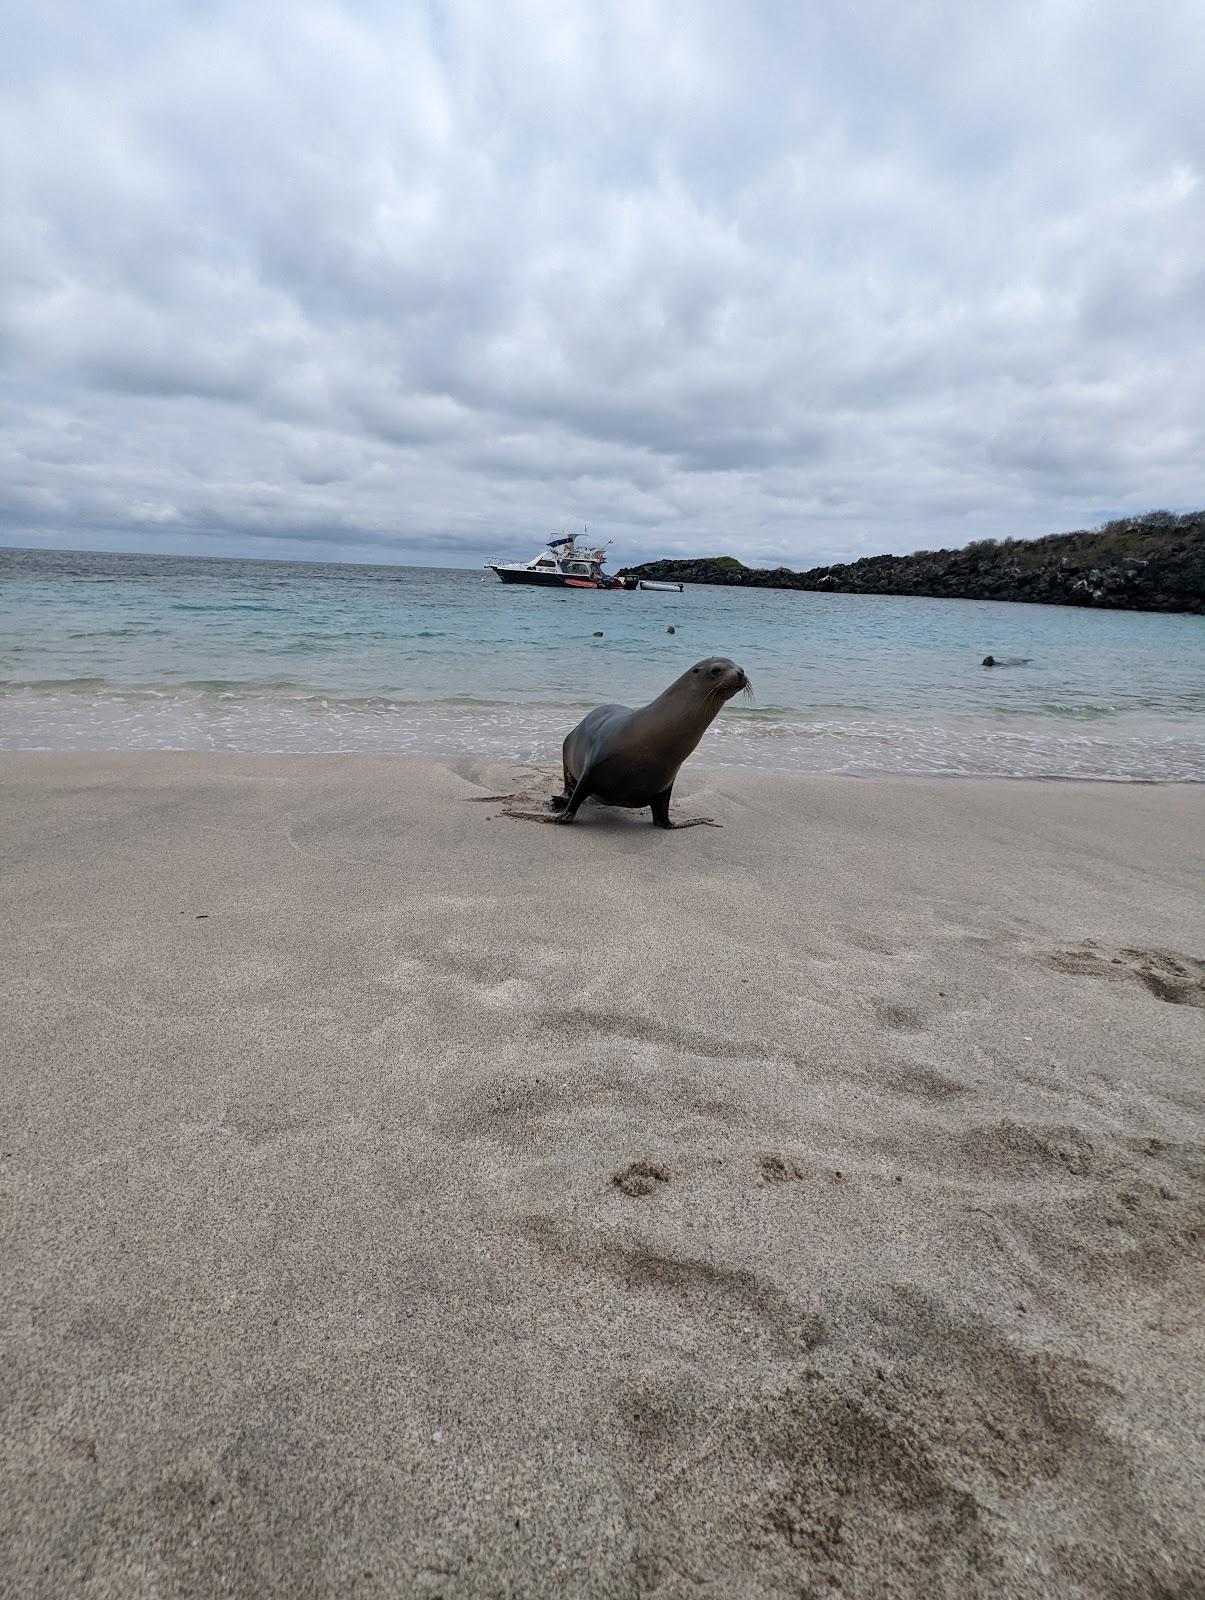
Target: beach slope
402,1199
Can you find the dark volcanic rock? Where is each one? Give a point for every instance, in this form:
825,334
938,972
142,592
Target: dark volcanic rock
1154,562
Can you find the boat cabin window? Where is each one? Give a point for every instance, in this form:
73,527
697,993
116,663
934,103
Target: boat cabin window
579,566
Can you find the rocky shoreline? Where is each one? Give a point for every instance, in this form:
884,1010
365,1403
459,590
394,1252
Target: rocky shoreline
1154,562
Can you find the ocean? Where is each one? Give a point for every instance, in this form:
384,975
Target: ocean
128,652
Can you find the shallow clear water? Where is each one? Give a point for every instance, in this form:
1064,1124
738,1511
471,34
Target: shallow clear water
139,652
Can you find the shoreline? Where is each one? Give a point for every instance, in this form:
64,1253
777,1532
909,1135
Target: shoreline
407,1201
1146,750
699,769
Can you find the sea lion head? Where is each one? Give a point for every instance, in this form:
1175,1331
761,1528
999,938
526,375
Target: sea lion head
717,679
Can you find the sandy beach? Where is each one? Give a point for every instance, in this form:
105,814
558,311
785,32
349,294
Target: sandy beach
406,1200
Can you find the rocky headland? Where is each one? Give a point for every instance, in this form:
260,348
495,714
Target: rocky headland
1154,562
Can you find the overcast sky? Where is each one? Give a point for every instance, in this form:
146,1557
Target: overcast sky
431,281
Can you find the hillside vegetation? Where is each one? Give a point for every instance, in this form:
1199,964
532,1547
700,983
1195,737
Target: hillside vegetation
1154,562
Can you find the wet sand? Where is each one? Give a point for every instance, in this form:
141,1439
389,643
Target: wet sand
406,1200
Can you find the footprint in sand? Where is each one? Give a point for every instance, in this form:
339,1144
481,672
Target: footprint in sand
640,1178
921,1083
1178,979
904,1019
776,1169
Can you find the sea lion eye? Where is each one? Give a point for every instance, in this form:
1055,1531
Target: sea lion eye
715,672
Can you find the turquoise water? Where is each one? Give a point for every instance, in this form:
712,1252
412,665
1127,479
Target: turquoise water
138,652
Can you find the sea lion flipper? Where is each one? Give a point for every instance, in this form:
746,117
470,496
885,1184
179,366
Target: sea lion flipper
582,790
558,802
659,806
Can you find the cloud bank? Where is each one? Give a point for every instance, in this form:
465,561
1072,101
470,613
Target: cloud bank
431,281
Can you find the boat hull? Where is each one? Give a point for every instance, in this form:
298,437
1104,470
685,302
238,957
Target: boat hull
548,580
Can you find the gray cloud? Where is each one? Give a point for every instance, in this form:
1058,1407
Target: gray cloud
430,281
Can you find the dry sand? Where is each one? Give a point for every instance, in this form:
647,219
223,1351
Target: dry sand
406,1201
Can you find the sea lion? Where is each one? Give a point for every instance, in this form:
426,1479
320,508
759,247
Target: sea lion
671,630
1006,661
631,758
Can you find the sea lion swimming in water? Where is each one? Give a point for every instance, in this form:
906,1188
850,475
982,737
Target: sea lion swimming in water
631,758
1006,661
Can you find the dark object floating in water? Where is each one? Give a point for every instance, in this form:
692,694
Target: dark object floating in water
598,634
1006,661
671,630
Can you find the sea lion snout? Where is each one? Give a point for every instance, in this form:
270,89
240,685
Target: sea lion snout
719,675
